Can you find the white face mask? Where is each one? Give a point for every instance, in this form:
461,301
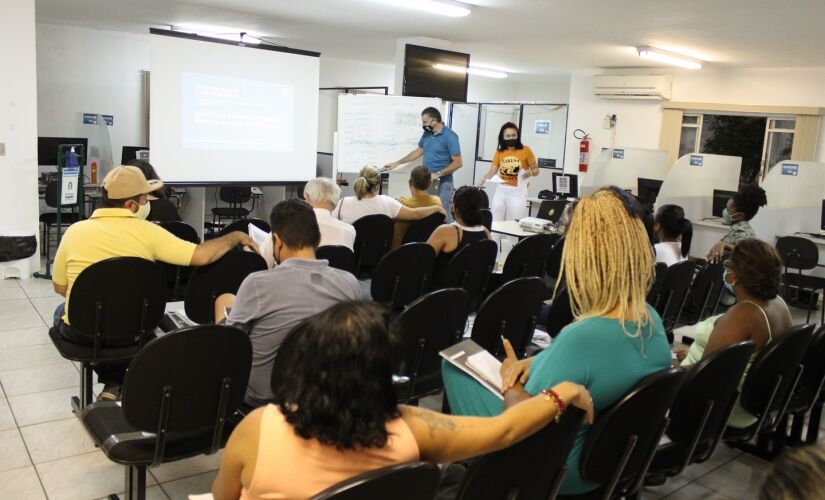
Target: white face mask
143,210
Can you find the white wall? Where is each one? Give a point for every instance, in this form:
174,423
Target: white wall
346,72
93,71
18,120
639,122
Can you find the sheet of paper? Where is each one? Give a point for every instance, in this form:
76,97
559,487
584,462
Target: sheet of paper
486,366
264,242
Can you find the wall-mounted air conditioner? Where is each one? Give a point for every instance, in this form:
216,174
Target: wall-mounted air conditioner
633,86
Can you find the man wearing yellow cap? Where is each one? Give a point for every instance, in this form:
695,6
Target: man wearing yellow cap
119,229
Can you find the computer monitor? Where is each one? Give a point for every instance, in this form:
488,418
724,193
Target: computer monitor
822,218
648,190
130,153
720,201
47,148
571,183
551,210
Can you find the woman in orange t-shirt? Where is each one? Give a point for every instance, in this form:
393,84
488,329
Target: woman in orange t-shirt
514,162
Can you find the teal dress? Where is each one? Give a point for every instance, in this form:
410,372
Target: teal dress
594,352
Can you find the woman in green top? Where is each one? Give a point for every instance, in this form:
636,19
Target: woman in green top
616,339
752,273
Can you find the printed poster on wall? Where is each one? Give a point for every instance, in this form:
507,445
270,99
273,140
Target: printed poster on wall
68,189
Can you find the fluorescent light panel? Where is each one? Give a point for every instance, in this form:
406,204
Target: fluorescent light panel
489,73
447,8
671,58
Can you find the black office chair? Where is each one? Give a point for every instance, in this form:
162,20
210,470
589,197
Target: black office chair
410,481
403,275
115,303
808,398
471,268
705,293
766,392
554,262
339,257
420,230
487,218
178,393
242,225
235,196
659,270
373,236
620,446
427,326
529,257
510,312
701,411
673,293
530,470
178,276
49,219
560,313
801,254
223,276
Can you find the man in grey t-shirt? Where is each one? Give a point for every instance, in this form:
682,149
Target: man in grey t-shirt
271,303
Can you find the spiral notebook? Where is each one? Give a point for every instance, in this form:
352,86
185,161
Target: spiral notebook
476,362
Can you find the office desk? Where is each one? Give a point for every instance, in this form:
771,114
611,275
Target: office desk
706,233
510,228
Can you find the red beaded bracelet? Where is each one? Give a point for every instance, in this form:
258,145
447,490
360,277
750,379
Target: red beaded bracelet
550,395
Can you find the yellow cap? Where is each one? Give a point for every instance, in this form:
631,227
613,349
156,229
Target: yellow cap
127,182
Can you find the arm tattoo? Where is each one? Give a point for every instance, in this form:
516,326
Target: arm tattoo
435,421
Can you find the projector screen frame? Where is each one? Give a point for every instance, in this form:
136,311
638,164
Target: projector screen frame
262,46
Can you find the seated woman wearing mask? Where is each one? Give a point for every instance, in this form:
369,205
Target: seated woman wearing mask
741,208
752,274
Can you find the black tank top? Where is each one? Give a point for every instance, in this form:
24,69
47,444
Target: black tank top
443,260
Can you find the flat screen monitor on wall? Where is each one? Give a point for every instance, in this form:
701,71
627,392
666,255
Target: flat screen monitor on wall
225,112
720,201
430,72
47,148
648,190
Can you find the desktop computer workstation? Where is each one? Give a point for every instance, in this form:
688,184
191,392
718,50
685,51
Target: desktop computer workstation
647,190
720,201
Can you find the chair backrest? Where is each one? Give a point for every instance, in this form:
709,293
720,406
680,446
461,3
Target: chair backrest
511,311
487,218
420,230
121,297
50,196
620,446
701,411
659,271
235,195
561,313
189,380
410,481
530,257
339,257
674,291
797,253
471,268
403,275
530,470
182,230
427,326
554,262
706,289
813,362
223,276
774,374
373,235
242,225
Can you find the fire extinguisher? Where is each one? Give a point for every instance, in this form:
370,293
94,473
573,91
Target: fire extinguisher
94,172
584,148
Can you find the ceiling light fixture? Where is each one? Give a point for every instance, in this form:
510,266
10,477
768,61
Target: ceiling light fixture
671,58
489,73
449,8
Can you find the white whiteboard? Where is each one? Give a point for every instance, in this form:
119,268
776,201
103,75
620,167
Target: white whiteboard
378,129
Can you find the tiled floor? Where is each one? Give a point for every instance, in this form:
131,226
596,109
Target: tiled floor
45,453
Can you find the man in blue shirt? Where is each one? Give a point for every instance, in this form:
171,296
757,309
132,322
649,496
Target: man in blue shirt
442,155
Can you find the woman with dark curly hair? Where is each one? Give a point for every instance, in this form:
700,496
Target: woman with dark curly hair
741,208
336,414
752,274
448,239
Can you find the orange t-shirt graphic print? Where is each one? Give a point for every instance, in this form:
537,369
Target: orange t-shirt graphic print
510,162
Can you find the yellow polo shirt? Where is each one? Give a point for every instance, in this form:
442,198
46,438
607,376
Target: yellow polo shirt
114,232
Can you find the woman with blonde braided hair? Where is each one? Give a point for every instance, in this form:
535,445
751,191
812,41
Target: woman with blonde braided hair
616,338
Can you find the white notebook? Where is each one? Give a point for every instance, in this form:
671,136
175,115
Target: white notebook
476,362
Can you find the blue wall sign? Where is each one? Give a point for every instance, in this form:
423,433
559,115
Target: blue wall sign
618,154
790,169
90,118
697,160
